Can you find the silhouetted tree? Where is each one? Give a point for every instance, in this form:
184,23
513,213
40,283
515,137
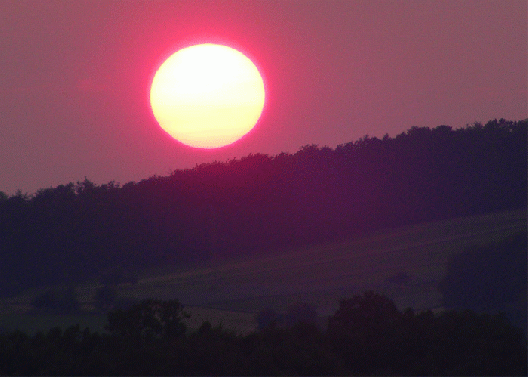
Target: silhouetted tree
490,278
363,332
148,319
374,338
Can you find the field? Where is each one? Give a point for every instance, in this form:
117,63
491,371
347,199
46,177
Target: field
405,264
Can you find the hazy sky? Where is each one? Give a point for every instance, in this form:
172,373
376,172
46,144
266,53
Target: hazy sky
75,77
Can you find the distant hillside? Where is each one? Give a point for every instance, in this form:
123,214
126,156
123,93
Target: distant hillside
404,263
222,210
423,266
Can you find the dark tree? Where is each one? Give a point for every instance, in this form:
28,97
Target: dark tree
489,278
147,320
363,332
373,338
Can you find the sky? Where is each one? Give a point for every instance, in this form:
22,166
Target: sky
75,77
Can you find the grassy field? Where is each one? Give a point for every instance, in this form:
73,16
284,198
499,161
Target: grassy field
238,322
405,264
323,274
34,323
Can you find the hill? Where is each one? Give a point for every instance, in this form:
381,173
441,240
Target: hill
223,211
404,263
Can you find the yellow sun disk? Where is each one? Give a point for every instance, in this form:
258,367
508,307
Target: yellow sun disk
207,96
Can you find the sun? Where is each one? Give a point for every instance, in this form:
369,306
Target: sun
207,95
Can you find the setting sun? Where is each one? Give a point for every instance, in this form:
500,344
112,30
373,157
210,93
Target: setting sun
207,96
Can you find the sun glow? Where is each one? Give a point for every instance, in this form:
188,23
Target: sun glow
207,96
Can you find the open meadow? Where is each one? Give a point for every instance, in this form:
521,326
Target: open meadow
404,264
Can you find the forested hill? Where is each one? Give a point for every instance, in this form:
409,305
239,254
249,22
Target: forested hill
260,202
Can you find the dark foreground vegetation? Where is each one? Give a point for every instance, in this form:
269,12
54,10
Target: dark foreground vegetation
367,335
77,232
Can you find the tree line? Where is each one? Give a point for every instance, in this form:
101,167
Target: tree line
367,335
78,231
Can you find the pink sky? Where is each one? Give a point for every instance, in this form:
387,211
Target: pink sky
75,77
